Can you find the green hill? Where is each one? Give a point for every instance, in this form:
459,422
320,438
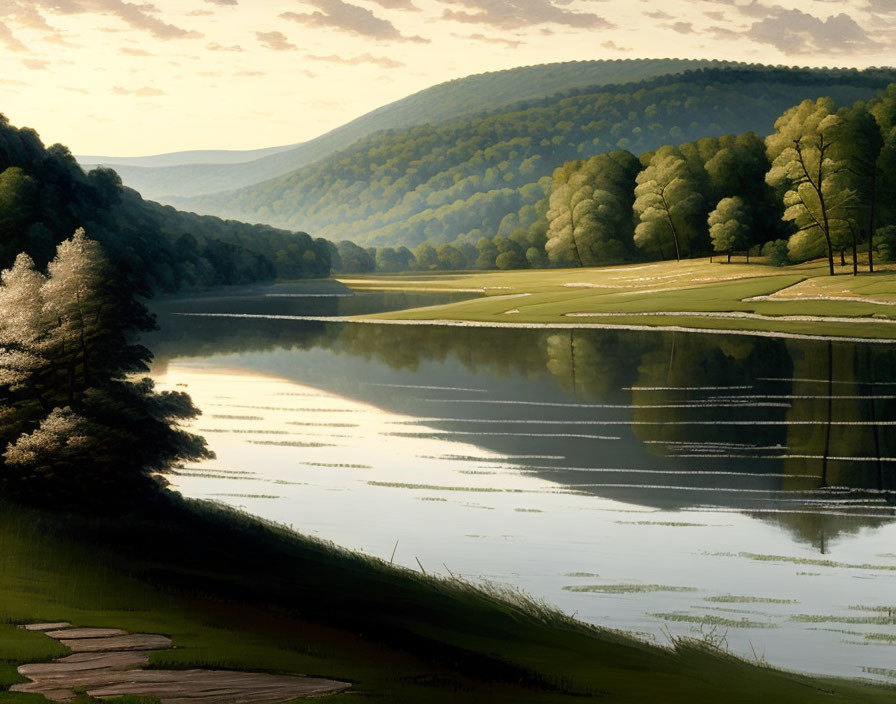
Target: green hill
196,173
460,178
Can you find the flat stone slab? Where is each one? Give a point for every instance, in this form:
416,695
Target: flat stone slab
47,626
131,641
68,633
70,667
219,687
109,662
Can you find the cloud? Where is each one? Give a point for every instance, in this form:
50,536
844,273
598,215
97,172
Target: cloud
613,46
135,52
659,15
36,64
275,40
214,46
350,18
230,3
797,32
8,39
397,5
144,92
512,43
383,61
723,33
518,14
29,13
25,15
884,7
682,27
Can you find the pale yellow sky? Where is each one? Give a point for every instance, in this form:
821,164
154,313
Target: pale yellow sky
115,78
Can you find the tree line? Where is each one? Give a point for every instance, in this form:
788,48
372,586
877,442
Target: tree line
456,181
822,184
45,196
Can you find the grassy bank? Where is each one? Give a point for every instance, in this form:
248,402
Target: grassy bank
235,593
699,294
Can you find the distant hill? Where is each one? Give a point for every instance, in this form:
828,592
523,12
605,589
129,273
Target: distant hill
195,173
460,178
197,156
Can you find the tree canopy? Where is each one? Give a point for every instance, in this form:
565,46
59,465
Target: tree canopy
75,423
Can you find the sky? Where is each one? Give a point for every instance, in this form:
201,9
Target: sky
117,78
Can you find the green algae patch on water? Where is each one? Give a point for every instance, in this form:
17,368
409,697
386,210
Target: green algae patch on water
626,588
712,620
731,599
803,561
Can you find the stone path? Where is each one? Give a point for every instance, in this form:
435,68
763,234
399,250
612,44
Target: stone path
109,662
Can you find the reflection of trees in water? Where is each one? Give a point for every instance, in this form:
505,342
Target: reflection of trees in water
835,383
500,352
591,364
180,337
820,529
596,366
716,363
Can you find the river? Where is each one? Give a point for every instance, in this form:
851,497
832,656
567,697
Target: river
736,489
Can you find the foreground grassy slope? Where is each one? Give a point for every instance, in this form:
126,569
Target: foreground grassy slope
233,593
445,101
694,293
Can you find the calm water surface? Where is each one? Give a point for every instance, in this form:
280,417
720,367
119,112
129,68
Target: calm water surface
729,487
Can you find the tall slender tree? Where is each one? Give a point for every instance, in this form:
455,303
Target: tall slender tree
667,205
816,194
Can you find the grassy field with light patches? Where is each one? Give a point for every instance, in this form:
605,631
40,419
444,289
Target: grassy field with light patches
693,294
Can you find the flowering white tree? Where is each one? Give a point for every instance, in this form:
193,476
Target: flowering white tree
73,417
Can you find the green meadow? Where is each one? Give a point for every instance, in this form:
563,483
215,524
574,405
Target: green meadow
696,294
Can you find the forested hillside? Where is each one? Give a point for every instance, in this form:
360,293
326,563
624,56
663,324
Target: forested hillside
457,181
823,183
45,196
184,176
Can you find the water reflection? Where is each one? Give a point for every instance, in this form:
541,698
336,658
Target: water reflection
671,420
721,465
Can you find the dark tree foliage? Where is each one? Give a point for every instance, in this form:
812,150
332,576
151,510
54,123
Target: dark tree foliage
77,428
350,258
45,196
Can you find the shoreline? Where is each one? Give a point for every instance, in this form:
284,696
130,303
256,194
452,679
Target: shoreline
446,322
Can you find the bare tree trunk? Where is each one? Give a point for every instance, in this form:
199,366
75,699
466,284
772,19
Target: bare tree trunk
572,231
671,227
871,222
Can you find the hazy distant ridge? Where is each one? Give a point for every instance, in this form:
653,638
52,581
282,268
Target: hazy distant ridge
180,174
459,179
